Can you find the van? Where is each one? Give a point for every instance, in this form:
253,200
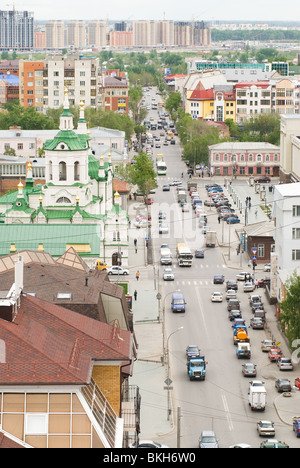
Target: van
178,303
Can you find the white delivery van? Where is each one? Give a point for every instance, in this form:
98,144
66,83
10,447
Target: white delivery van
257,397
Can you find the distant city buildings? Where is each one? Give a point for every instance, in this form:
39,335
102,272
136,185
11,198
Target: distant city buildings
16,30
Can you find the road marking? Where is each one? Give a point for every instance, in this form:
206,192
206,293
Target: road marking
201,311
228,417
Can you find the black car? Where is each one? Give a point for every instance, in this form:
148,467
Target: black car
234,314
232,285
262,180
192,351
233,304
199,253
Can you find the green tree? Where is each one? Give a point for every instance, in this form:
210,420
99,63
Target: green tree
142,174
290,309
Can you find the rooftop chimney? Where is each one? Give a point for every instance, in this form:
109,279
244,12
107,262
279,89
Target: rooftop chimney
19,276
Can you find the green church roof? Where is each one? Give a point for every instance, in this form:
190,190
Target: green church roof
71,139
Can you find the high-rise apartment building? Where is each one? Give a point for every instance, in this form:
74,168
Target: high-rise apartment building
76,34
96,33
31,89
16,30
55,34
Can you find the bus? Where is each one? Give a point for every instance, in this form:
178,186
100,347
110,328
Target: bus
161,168
184,255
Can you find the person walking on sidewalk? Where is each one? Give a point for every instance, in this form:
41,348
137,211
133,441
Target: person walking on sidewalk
137,275
135,295
135,245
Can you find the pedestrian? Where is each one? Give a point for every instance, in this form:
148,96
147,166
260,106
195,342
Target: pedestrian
137,275
256,213
135,295
219,219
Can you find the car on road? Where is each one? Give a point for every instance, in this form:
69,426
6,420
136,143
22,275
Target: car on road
117,270
243,276
231,284
233,304
249,287
285,363
234,314
217,297
275,354
257,323
209,203
219,279
267,267
199,253
283,385
297,383
208,439
168,274
230,294
148,444
249,370
166,188
266,428
192,351
269,443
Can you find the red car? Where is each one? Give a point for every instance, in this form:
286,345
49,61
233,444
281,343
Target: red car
275,354
149,201
297,383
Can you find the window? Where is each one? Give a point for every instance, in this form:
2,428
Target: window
295,254
64,200
296,210
36,424
296,233
261,250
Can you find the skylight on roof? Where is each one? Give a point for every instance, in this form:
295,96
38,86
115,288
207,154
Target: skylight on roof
64,295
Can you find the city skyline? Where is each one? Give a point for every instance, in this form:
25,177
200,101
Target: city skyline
216,10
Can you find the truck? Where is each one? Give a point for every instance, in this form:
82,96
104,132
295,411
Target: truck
211,238
257,397
181,196
196,368
296,425
165,256
240,335
243,350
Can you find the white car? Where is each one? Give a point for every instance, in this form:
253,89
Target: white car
249,286
266,428
243,275
168,274
116,270
149,444
216,297
231,294
285,363
267,345
267,267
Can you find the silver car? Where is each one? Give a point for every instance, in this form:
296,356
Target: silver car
208,440
285,363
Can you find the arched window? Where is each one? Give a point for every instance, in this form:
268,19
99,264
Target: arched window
62,171
64,200
76,171
50,170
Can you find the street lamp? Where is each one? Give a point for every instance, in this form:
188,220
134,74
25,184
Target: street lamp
168,381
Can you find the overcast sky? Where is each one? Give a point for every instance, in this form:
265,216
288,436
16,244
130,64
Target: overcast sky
210,10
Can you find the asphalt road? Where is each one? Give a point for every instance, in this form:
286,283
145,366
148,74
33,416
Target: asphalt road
220,402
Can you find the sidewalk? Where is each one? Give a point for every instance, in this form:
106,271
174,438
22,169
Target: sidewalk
149,372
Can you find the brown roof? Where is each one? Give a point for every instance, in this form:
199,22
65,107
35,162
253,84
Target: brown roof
7,442
48,345
121,186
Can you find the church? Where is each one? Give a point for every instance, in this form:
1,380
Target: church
76,207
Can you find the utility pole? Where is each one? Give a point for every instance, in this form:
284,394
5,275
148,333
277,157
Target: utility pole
178,426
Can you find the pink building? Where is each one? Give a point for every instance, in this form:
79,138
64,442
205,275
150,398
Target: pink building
121,38
244,159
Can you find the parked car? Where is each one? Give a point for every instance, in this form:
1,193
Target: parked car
249,370
266,345
216,297
233,220
163,228
117,270
297,383
208,440
148,444
243,276
275,354
262,180
267,267
285,363
283,385
266,428
269,443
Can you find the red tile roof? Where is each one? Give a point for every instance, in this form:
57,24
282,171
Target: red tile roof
48,344
202,95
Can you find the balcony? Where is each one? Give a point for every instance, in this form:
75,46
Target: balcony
130,412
